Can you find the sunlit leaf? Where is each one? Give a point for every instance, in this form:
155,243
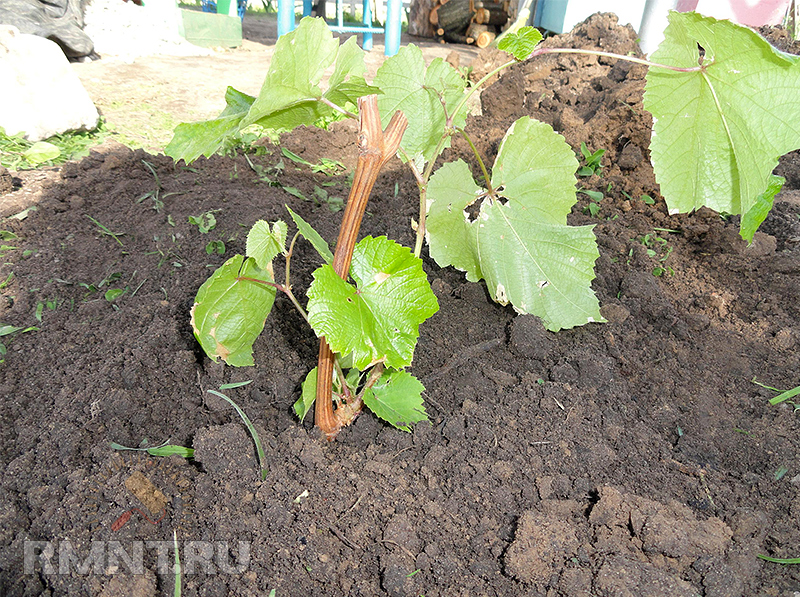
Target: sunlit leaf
378,319
229,313
520,242
312,236
308,396
522,43
719,131
264,244
397,399
191,140
421,94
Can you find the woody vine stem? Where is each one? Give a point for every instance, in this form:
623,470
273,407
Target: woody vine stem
375,148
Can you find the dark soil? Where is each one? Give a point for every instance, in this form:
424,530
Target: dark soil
631,458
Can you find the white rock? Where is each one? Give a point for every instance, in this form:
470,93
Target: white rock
42,96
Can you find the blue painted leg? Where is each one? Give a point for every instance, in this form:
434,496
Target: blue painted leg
367,20
285,16
392,26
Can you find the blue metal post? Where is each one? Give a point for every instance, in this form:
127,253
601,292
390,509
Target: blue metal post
366,18
307,7
394,9
285,16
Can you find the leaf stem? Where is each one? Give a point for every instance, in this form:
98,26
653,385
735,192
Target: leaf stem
423,201
374,375
345,390
289,259
423,208
471,92
284,289
474,149
542,51
423,192
339,109
413,166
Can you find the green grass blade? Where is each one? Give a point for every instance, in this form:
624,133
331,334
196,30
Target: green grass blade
238,384
250,428
177,591
162,450
785,396
779,560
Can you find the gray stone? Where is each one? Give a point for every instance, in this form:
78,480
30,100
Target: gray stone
41,96
58,20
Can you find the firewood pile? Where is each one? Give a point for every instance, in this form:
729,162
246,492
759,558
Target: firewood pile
468,21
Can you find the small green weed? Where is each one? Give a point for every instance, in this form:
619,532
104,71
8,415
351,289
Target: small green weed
593,208
104,229
267,174
783,396
51,304
205,222
113,294
321,197
107,281
591,161
779,560
17,153
326,166
155,194
10,331
658,248
164,450
215,247
647,199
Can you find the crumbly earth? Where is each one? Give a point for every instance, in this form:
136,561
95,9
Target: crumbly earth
630,458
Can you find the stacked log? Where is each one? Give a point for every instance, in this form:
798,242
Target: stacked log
419,22
468,21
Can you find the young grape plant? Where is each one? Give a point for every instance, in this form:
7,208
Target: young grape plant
724,111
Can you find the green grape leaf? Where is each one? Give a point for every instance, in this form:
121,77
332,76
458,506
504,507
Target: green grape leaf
264,245
418,92
229,313
191,140
718,131
397,399
290,92
522,43
312,236
347,82
308,395
40,152
759,212
377,320
519,243
290,95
